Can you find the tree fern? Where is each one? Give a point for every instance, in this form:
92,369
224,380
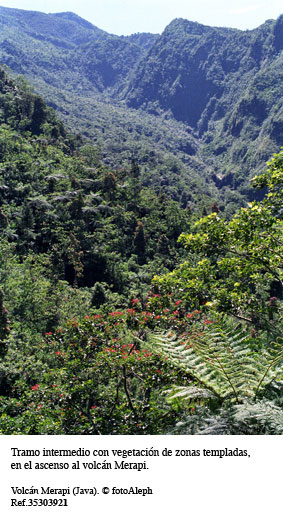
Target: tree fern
222,360
189,393
262,417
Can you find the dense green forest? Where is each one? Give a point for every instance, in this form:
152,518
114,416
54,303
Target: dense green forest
198,107
138,295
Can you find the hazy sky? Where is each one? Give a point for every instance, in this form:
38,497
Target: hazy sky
132,16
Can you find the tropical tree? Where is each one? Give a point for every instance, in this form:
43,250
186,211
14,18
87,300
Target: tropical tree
236,266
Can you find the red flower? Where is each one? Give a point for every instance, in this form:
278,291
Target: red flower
177,303
35,387
135,301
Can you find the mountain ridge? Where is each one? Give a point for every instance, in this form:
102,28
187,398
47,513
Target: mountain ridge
223,85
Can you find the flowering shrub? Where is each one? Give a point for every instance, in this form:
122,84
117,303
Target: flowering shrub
96,376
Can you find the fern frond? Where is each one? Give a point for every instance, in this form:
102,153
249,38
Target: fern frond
221,358
263,417
203,422
188,394
249,418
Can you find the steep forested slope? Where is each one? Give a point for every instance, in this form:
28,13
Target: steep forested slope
63,49
74,237
225,83
89,343
69,218
218,89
